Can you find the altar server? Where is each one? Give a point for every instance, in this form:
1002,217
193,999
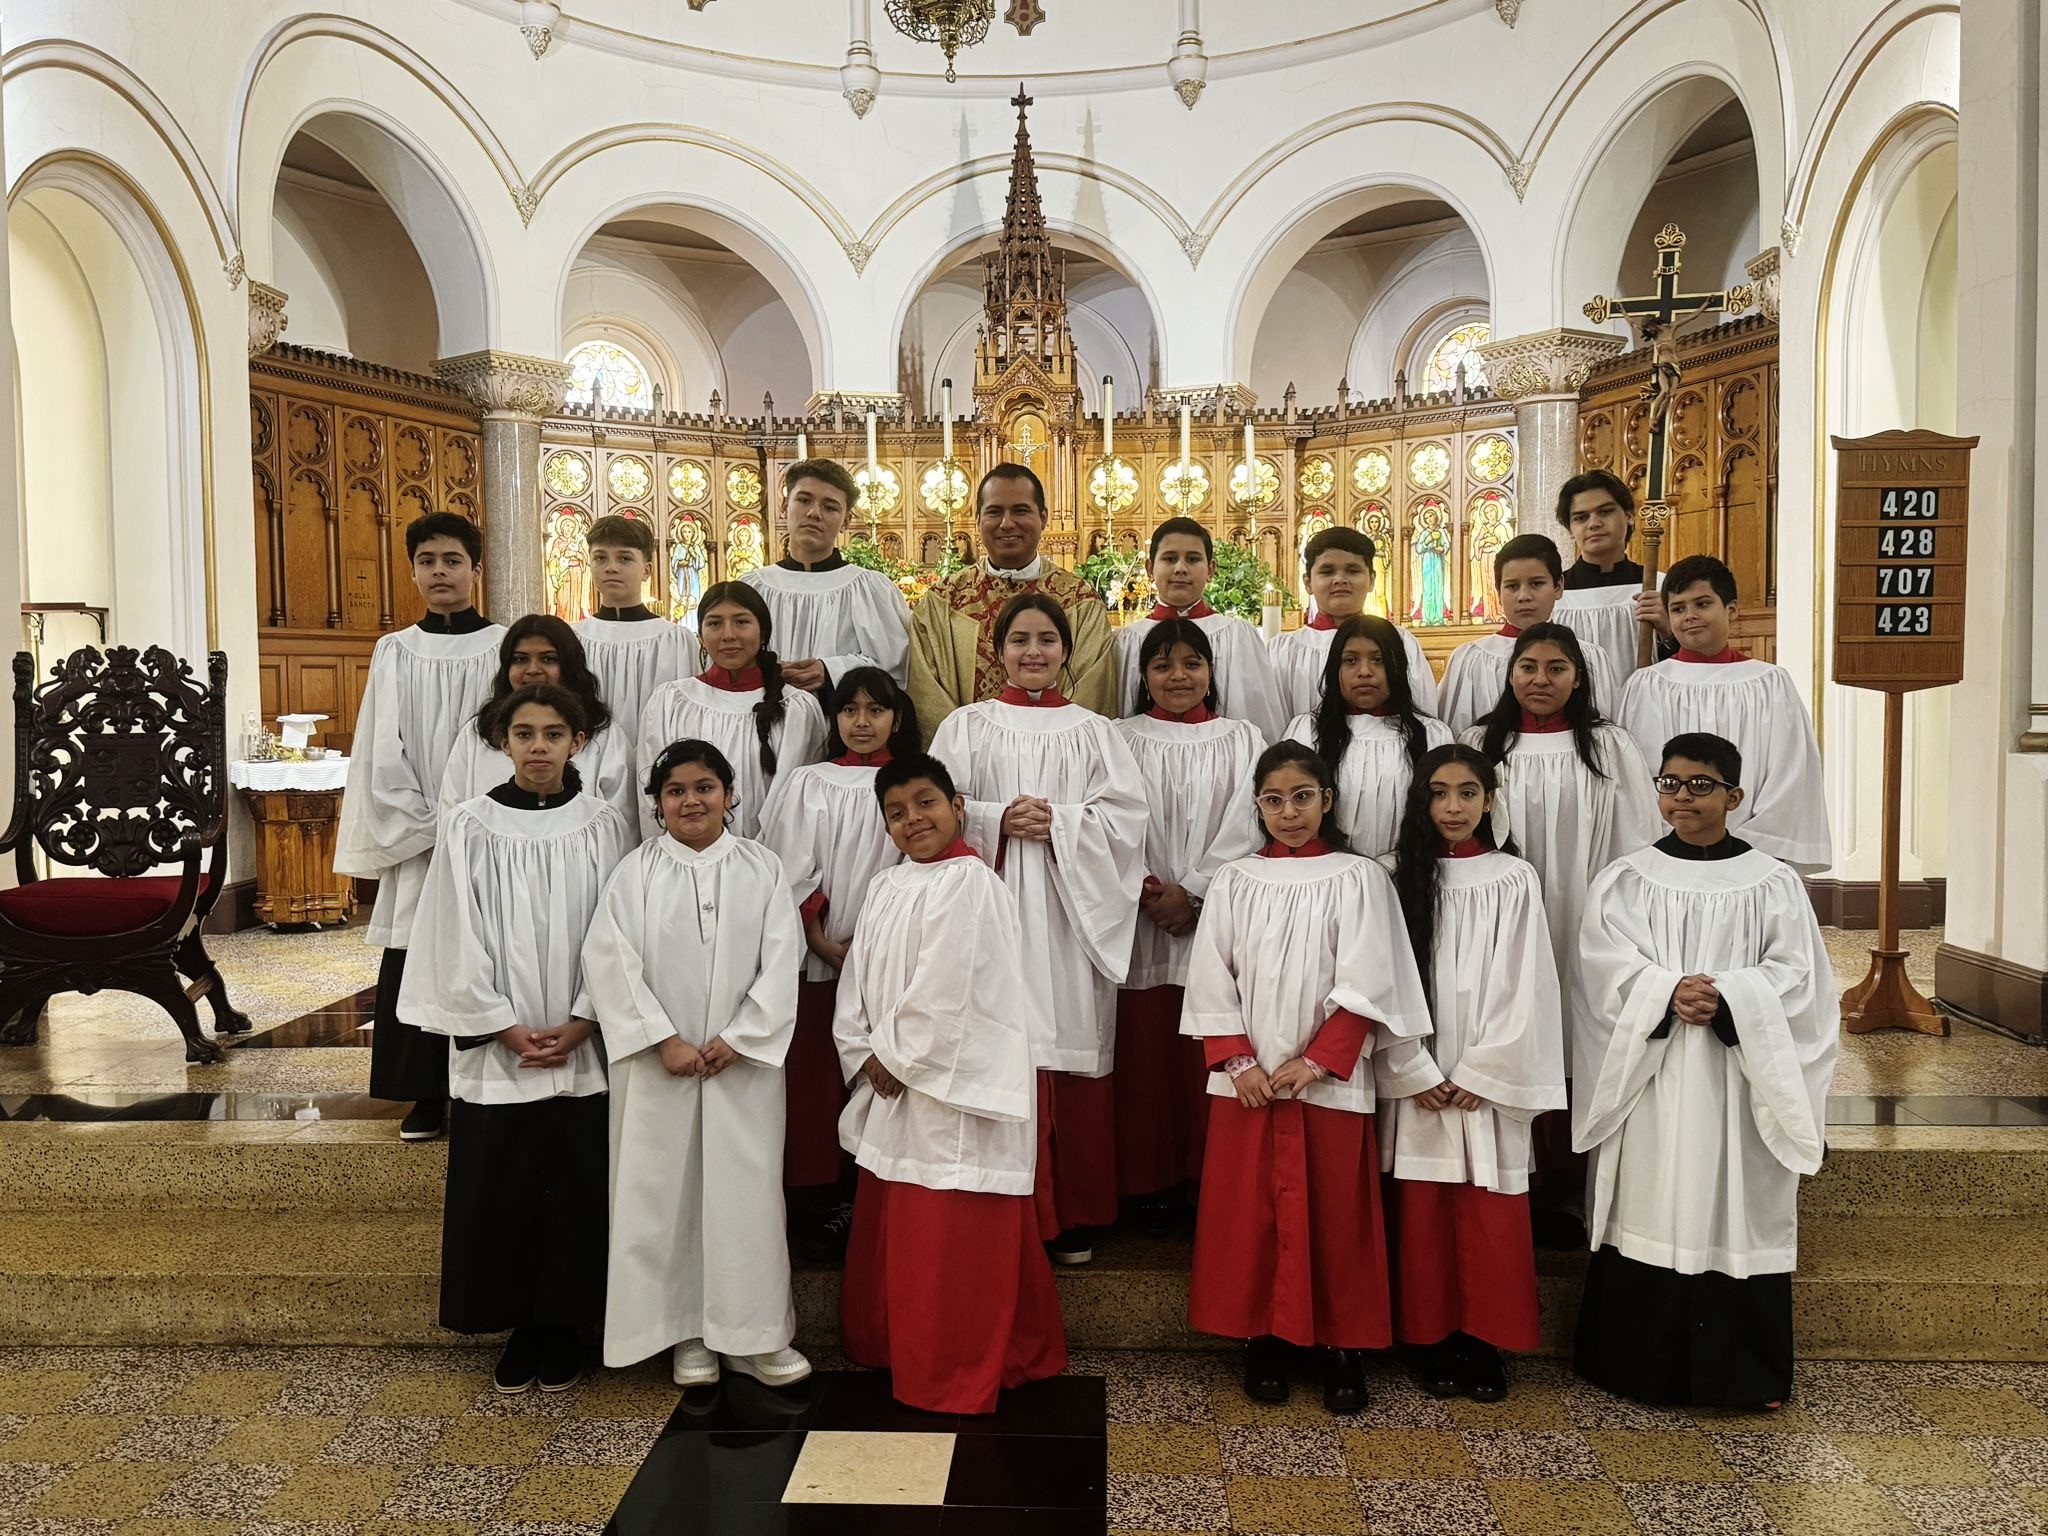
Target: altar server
1604,601
1530,579
1711,687
1198,770
1459,1150
1707,1025
690,970
1368,730
1247,688
1299,974
823,823
1337,564
425,684
1055,802
830,614
632,650
540,648
947,1286
739,703
497,967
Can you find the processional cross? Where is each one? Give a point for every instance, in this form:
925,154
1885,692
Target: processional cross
1653,320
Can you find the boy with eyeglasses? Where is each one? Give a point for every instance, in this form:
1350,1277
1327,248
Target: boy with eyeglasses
1706,1020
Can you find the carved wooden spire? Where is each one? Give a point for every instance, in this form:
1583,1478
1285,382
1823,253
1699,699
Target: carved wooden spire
1025,283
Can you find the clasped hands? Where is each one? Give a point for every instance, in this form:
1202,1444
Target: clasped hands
545,1047
1256,1087
1695,1000
1168,907
1029,818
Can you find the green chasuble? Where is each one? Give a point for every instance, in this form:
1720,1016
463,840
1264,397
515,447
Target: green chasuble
953,651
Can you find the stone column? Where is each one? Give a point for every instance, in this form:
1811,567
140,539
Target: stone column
514,393
267,319
1542,373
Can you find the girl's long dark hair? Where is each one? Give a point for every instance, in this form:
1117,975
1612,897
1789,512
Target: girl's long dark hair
905,740
1418,876
1165,635
1504,723
679,754
576,676
1333,716
1284,754
769,712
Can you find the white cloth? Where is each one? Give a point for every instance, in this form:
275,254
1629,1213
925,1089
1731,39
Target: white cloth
693,708
1373,775
695,946
423,690
498,940
1571,824
316,773
1285,942
630,658
1077,896
824,824
1499,1032
1299,656
1784,810
1698,1145
605,765
934,989
1604,619
1199,817
850,617
1477,675
1247,687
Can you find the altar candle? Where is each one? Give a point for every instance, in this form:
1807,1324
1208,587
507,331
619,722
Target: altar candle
1108,417
871,445
1183,434
803,446
947,409
1251,463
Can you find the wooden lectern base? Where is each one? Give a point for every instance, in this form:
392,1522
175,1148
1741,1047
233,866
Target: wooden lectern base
1884,999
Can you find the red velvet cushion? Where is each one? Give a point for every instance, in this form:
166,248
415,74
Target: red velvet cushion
83,909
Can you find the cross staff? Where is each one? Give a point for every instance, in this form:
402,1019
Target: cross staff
1653,319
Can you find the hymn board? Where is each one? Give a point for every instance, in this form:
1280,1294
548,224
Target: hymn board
1902,513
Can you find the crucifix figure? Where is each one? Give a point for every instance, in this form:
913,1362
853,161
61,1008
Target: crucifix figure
1026,447
1653,320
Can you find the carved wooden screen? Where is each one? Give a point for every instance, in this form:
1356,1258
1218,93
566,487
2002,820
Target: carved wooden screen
344,456
1725,458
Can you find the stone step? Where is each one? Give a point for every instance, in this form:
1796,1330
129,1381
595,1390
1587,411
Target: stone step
1931,1170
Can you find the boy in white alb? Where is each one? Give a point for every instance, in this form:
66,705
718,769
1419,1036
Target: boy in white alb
632,650
1337,565
1530,578
1604,603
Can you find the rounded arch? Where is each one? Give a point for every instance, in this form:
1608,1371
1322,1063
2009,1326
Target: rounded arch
681,383
1431,330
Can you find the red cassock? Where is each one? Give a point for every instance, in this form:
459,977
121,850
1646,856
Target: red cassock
811,1153
1162,1110
1076,1176
1463,1263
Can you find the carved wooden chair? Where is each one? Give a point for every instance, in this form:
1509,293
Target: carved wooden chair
120,767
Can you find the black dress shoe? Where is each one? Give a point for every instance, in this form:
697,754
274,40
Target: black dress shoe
1344,1380
561,1360
1444,1371
519,1366
1265,1370
1072,1246
1557,1230
1153,1216
425,1121
1485,1371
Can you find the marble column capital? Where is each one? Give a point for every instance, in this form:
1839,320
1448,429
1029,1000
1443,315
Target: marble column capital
267,319
1549,364
1764,273
507,384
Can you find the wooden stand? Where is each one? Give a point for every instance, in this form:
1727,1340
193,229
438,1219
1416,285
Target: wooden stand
1885,999
295,878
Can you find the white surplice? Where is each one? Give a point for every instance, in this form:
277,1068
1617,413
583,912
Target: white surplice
1300,654
934,989
1199,817
630,658
1699,1145
424,690
1477,675
693,708
1499,1031
1604,619
1247,687
1373,776
605,765
1077,896
498,940
696,946
1285,942
849,617
1784,811
824,823
1571,824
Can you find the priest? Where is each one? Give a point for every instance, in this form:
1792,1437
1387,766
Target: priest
1707,1022
953,657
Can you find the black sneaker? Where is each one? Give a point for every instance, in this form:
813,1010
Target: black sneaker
1153,1216
1484,1370
561,1360
1344,1380
1071,1247
1265,1370
824,1241
519,1366
425,1121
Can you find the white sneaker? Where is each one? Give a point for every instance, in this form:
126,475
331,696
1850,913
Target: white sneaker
780,1368
695,1366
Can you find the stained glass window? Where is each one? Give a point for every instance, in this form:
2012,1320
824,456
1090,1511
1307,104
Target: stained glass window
1489,524
1429,562
1378,524
687,482
1314,520
1372,472
567,562
687,564
1318,477
627,384
629,478
567,474
1490,458
1461,345
1429,466
744,550
743,486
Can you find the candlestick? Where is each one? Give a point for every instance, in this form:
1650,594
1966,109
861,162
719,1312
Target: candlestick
871,445
1108,417
947,390
803,446
1251,462
1183,435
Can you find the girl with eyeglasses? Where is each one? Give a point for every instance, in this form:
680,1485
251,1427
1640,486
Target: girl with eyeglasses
1298,986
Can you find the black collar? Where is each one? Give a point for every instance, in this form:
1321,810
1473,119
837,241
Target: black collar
467,622
510,795
632,615
1678,848
831,562
1584,575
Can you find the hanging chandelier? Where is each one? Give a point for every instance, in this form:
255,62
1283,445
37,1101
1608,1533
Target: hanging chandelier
952,24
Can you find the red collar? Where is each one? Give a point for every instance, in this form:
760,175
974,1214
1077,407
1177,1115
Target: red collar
863,759
1201,610
1315,847
1201,714
1382,712
1728,654
1323,621
746,680
1052,698
1531,726
1507,632
956,849
1471,848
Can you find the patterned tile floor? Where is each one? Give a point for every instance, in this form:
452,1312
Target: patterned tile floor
414,1443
